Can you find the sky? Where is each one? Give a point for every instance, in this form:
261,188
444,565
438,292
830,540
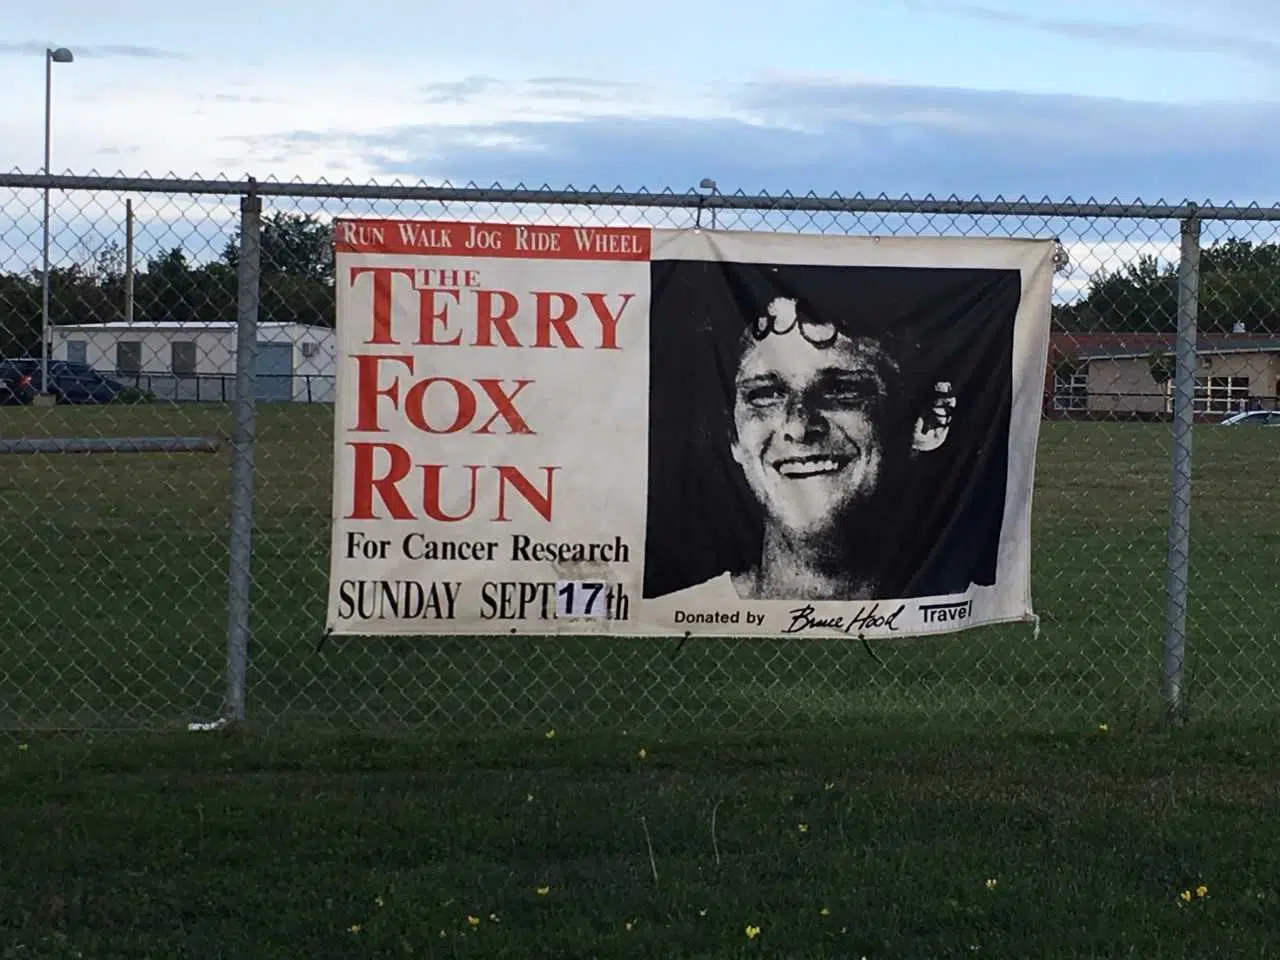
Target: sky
1130,99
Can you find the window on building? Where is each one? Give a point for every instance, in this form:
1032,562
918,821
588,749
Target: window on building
129,356
77,351
182,358
1214,394
1070,391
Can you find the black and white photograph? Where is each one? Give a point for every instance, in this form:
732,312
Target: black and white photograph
827,432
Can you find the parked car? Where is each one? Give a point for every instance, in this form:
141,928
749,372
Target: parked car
15,386
69,382
1253,418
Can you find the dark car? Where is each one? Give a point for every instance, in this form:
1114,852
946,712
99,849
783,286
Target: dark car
69,382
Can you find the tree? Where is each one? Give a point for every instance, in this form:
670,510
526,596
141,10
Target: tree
19,315
293,244
167,292
296,285
108,264
1239,283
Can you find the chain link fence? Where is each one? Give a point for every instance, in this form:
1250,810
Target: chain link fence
153,528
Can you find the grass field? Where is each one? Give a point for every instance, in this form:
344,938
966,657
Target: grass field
991,794
861,843
115,597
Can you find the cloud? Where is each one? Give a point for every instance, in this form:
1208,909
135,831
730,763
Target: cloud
827,136
245,98
480,88
778,132
94,51
458,92
1239,13
581,89
1145,34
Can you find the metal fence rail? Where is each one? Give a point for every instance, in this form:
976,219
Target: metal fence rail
167,550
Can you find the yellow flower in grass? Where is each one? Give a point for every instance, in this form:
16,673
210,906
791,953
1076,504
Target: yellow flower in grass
825,911
550,734
473,921
1202,891
1186,896
804,828
542,891
992,883
752,932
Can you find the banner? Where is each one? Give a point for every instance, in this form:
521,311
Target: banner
638,432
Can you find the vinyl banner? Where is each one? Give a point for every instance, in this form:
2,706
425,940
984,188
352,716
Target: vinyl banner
550,430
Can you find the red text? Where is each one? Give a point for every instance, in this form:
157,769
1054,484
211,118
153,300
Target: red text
407,493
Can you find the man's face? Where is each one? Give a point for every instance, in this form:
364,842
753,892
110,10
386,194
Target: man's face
809,424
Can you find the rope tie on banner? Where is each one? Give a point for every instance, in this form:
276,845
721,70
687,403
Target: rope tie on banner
866,645
1035,633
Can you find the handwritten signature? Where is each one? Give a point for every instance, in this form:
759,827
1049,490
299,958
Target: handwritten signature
866,618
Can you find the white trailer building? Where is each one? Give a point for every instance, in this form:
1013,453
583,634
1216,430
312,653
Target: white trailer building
195,361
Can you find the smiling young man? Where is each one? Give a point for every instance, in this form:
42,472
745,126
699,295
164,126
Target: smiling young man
824,424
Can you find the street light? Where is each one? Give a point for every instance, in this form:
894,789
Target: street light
709,184
51,56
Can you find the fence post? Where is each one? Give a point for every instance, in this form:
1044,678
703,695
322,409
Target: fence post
239,573
1172,683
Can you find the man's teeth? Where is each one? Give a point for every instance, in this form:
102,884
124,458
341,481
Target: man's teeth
808,468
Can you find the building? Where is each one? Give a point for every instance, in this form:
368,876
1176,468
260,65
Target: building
1108,375
196,362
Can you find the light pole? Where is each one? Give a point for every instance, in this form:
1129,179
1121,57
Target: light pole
51,56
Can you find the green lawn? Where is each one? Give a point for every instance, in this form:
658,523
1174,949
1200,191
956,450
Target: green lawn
864,843
846,806
115,599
